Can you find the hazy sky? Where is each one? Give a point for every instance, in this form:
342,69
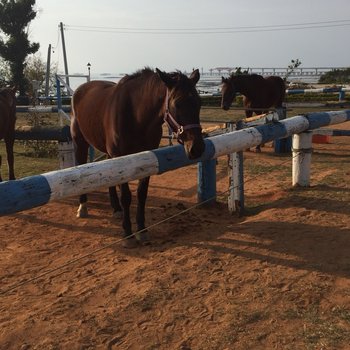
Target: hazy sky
193,43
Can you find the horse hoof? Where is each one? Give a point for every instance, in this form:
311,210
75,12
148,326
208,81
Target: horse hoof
82,212
143,238
118,214
257,150
130,243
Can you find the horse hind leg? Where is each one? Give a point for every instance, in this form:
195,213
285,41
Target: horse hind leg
117,209
142,191
82,211
10,158
125,198
81,148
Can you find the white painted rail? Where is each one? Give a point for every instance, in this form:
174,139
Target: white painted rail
38,190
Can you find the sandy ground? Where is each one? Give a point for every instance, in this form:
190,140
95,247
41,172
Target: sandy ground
277,278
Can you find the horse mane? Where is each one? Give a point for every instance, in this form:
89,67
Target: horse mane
182,79
139,73
253,76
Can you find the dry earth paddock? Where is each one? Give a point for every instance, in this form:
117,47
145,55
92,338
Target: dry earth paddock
277,278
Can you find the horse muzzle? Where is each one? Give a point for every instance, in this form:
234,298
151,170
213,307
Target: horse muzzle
194,146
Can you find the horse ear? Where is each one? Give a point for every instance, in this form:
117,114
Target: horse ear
167,80
195,76
223,80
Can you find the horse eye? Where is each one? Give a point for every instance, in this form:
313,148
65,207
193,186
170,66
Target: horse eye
177,104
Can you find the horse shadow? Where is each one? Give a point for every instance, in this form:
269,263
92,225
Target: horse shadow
304,245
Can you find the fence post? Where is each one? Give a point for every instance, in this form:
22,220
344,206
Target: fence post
59,99
206,190
235,198
301,162
282,145
66,154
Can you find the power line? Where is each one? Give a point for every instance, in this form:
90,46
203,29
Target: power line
211,30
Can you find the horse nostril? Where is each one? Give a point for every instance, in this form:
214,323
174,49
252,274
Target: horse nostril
196,150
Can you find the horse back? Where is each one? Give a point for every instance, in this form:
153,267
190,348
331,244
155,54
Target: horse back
267,92
119,119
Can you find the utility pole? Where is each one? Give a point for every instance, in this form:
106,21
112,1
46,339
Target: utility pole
64,56
48,64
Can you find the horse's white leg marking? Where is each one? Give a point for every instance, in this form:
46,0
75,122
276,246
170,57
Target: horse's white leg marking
82,211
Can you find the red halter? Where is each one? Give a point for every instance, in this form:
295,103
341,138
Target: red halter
176,128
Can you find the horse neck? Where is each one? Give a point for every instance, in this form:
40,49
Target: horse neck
151,92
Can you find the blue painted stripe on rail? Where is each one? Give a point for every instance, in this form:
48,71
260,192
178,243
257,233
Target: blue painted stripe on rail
272,131
37,192
336,132
173,157
316,120
295,91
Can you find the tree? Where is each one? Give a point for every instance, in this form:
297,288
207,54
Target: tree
15,16
239,71
5,75
291,68
36,70
336,76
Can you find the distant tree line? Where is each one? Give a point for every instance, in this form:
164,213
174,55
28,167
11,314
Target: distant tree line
336,76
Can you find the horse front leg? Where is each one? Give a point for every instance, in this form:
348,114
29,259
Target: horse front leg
125,198
10,158
142,191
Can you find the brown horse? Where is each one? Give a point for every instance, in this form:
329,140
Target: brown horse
259,93
124,118
7,125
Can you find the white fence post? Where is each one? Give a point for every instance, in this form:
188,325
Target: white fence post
302,150
66,154
235,200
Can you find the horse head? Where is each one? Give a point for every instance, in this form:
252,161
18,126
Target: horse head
228,92
182,107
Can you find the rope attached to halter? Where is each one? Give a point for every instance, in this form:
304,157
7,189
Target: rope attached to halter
176,128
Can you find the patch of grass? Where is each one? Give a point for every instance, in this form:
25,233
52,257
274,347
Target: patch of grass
25,165
253,168
323,333
342,313
321,330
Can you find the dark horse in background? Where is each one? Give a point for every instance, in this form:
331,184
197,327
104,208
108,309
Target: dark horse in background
259,93
124,118
7,125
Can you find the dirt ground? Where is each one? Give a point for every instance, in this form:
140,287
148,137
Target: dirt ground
277,278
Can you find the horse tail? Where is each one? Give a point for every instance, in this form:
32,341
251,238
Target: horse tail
282,92
72,104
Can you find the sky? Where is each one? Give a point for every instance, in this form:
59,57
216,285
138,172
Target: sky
187,34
